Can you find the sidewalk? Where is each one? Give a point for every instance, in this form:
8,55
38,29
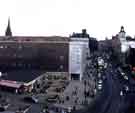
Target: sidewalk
75,91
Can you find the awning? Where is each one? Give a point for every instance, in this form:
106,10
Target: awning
10,84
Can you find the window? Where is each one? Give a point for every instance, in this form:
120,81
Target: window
20,47
61,57
14,55
61,66
5,46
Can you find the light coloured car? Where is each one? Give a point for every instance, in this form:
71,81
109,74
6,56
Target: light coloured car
95,91
122,73
100,81
121,93
99,86
126,88
99,75
125,77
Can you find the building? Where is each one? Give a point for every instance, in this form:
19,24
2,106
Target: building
36,52
121,44
20,56
20,81
23,59
78,52
93,44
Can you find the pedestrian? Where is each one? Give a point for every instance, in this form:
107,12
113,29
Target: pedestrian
75,101
69,109
62,111
63,101
74,108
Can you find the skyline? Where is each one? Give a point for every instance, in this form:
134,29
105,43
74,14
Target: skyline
63,17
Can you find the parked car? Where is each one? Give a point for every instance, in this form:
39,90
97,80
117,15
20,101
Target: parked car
52,98
125,77
100,84
30,99
4,106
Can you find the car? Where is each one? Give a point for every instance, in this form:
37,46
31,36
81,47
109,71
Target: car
125,77
95,90
99,75
122,73
99,86
100,81
105,65
104,77
2,109
4,106
52,98
30,99
0,95
121,93
125,88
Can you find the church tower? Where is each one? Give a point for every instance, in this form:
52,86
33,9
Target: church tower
8,31
122,34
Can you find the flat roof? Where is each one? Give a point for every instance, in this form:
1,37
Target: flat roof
22,75
34,38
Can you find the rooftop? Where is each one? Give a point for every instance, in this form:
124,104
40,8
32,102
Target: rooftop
34,38
21,75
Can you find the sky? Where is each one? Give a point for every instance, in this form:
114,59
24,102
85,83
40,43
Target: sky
101,18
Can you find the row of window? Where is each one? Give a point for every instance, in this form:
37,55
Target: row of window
23,65
6,46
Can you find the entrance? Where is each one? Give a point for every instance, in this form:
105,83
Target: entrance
75,76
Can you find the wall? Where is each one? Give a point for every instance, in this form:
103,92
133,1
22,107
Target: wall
50,56
78,51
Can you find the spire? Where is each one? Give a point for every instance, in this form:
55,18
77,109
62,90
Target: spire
122,29
8,31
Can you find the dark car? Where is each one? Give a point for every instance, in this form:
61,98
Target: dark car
4,106
52,98
2,109
30,99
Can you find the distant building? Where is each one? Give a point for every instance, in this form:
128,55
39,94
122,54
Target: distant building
93,44
104,45
130,59
121,44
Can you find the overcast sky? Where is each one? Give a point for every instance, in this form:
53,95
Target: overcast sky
101,18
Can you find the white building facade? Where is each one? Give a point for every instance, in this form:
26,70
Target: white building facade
78,52
125,44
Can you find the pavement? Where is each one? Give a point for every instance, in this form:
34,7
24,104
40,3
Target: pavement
79,87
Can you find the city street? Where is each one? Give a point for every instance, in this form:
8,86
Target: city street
112,98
